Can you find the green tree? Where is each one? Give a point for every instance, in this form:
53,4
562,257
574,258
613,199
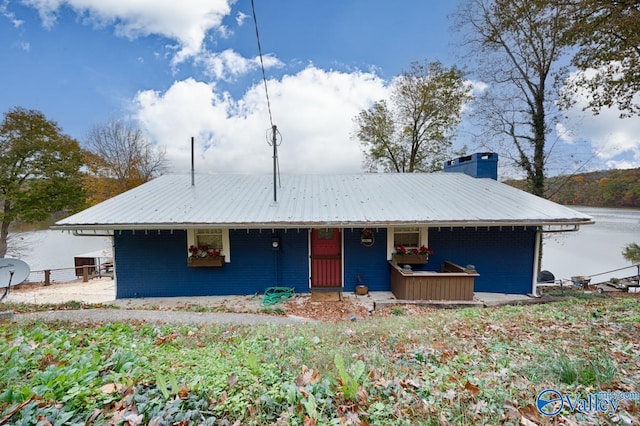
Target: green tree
39,170
515,47
412,131
631,252
120,159
607,37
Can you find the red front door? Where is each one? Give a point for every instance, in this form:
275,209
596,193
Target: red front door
326,258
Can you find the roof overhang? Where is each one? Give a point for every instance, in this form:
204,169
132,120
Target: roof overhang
108,229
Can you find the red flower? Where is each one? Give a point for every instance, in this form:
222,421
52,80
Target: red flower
203,251
422,250
401,250
425,250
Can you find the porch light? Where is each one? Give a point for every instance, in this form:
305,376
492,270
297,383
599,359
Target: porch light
275,243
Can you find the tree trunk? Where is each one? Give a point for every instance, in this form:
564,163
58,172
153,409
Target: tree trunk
4,234
539,129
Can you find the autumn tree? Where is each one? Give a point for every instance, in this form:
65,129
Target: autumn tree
39,170
413,130
119,158
606,35
516,48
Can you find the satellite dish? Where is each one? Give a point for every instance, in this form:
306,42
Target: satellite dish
12,272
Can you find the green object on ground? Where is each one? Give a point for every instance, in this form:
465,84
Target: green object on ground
274,295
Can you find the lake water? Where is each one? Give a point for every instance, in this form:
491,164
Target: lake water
592,250
54,250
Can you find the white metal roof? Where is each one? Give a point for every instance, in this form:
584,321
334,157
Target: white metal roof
246,201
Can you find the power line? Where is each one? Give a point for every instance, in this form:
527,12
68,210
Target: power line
264,77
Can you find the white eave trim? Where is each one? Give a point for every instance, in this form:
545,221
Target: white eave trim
567,225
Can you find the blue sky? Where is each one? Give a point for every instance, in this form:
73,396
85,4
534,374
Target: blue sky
190,68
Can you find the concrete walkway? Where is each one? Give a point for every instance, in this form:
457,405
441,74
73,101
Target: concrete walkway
176,309
155,316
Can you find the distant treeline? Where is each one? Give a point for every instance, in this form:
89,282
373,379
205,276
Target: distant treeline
605,188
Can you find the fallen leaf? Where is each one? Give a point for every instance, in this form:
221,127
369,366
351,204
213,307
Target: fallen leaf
526,422
42,420
473,389
363,396
450,394
183,392
304,392
110,388
232,379
307,376
530,412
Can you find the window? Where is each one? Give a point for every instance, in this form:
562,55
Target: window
209,237
407,236
325,234
217,239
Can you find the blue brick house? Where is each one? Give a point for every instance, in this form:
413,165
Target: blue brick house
321,232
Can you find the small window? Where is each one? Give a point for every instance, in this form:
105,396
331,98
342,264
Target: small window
325,234
411,237
408,237
211,238
214,239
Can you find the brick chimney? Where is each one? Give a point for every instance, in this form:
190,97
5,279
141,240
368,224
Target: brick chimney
478,165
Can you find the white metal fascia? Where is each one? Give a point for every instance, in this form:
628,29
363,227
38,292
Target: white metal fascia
551,226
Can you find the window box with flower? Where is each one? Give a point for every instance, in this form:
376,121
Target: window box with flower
412,256
205,257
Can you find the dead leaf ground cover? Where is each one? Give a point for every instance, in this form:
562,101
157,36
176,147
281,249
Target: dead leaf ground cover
468,366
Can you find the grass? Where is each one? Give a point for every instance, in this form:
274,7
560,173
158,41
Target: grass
42,307
397,310
470,366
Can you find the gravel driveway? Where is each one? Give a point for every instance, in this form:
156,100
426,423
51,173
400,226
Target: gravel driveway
169,317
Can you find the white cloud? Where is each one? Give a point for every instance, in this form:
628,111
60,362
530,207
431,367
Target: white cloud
4,11
477,86
565,134
313,110
240,18
186,21
614,141
228,64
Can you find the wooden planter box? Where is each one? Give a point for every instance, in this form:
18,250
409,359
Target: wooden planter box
411,259
206,262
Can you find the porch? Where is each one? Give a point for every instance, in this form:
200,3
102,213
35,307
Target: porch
452,283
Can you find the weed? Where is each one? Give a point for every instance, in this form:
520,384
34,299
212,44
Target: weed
585,372
397,310
349,383
196,308
275,310
566,370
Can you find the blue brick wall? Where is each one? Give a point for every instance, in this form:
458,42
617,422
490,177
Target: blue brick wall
370,263
155,265
503,257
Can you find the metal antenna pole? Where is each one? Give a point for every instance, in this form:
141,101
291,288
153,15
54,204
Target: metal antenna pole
193,168
274,130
